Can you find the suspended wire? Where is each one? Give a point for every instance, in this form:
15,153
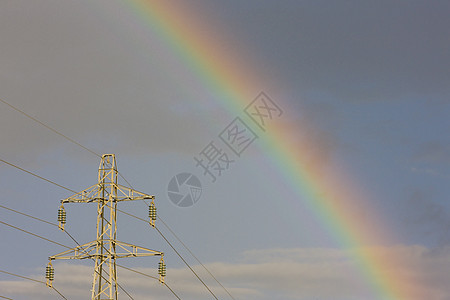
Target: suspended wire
41,237
31,279
170,289
51,241
12,274
135,271
175,250
40,177
54,183
50,223
123,177
47,180
120,174
57,132
6,298
186,263
36,235
38,219
195,257
184,245
65,231
189,250
123,289
41,220
58,292
48,127
29,216
35,175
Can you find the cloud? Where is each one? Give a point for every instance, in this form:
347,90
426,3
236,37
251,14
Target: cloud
433,152
284,273
428,217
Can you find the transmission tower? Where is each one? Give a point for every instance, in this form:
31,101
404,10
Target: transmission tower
107,193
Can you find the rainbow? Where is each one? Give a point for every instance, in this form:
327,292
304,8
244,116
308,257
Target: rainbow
334,198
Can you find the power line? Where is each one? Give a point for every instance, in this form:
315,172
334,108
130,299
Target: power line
41,220
41,237
36,235
189,250
165,224
57,132
135,271
186,263
123,177
49,181
50,223
175,250
33,234
48,127
40,177
171,290
195,257
6,298
186,247
51,241
54,183
31,279
144,274
12,274
65,231
68,246
29,216
35,175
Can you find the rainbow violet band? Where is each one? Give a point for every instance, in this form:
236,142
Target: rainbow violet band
335,200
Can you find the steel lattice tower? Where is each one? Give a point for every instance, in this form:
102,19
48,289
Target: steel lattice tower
106,248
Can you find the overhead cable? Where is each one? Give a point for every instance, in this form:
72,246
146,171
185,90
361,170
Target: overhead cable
31,279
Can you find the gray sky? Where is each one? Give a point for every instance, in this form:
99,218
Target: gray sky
366,83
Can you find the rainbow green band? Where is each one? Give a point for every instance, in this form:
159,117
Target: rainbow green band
332,202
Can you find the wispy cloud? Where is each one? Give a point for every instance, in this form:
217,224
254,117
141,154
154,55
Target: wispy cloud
433,152
284,273
430,218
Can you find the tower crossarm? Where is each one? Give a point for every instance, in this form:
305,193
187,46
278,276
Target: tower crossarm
89,250
127,194
130,250
97,193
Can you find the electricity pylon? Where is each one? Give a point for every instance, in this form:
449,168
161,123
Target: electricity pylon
106,248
